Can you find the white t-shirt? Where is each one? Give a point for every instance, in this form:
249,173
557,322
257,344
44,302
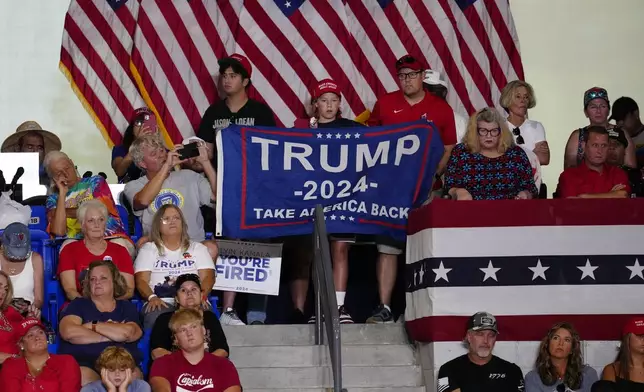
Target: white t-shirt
532,132
461,126
166,267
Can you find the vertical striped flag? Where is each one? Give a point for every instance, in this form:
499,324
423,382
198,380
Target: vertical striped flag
120,54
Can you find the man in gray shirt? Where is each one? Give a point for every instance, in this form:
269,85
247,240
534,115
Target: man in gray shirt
163,185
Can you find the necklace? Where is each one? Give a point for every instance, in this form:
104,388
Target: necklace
38,369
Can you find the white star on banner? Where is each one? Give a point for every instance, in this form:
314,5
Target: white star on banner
352,218
332,217
329,136
490,272
539,271
342,217
356,135
636,270
441,272
587,270
338,136
287,4
347,136
319,136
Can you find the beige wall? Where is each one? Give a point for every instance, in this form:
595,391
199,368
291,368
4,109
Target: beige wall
567,46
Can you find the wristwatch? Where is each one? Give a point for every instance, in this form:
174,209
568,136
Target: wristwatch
94,325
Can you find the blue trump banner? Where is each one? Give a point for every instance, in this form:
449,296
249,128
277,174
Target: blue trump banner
367,179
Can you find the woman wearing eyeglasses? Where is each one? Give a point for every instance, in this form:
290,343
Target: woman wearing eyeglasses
597,109
169,254
516,98
488,165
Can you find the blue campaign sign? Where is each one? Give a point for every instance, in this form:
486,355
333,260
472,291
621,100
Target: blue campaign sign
270,179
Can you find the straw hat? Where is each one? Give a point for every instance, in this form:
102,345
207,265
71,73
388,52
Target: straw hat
10,144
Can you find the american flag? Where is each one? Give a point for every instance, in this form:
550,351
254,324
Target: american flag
121,54
530,263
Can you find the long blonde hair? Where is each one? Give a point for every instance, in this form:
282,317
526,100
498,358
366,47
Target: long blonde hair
9,297
490,115
155,231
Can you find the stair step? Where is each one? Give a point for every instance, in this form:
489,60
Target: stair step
304,335
320,377
394,389
306,356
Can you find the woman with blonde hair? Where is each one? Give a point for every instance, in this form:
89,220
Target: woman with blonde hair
116,366
91,323
169,254
488,165
75,258
516,98
560,362
627,372
190,365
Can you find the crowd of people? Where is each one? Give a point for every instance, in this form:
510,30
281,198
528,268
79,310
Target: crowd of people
490,156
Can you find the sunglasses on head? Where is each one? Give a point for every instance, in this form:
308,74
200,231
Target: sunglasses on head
517,132
405,60
597,94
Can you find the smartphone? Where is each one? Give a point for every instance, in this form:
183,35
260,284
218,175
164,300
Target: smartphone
190,150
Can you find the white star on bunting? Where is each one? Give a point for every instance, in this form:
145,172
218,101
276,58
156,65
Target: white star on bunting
329,136
356,135
587,270
287,4
636,270
352,218
490,271
441,272
338,136
319,136
342,217
347,136
539,271
332,217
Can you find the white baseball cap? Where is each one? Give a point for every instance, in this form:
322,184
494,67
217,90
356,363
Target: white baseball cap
191,139
434,78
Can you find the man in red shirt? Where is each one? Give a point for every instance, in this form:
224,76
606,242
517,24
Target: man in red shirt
410,103
594,178
189,369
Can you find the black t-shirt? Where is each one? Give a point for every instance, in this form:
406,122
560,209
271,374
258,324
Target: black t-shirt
219,116
635,179
340,123
498,375
161,336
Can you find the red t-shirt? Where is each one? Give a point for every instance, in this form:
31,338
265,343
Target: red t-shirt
9,320
60,374
393,108
75,256
581,179
186,377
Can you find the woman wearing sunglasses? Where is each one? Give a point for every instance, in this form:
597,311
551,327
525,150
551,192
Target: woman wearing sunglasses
596,109
516,98
488,165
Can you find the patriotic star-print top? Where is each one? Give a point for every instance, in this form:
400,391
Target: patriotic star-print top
490,178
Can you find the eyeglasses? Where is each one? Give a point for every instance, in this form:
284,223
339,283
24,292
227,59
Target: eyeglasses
492,132
405,60
408,75
169,219
517,132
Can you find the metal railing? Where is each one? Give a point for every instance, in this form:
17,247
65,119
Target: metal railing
326,306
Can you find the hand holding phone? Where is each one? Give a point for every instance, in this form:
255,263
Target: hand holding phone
188,151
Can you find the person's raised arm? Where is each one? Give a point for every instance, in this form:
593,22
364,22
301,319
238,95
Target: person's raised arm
58,216
120,162
209,171
39,277
72,330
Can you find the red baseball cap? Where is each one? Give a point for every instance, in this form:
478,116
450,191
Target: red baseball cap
409,61
326,86
26,325
237,58
145,116
634,325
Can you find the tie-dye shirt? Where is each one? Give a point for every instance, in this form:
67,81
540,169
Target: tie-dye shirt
87,189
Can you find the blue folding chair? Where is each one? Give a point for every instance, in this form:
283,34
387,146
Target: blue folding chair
38,219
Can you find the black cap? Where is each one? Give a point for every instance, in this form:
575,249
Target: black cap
482,321
618,134
622,107
185,278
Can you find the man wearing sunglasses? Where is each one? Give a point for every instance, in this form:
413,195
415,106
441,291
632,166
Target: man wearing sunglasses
410,103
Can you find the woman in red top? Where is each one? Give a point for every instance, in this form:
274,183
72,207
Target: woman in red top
76,256
37,370
9,319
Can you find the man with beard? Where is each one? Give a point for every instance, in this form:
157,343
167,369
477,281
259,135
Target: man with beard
479,370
